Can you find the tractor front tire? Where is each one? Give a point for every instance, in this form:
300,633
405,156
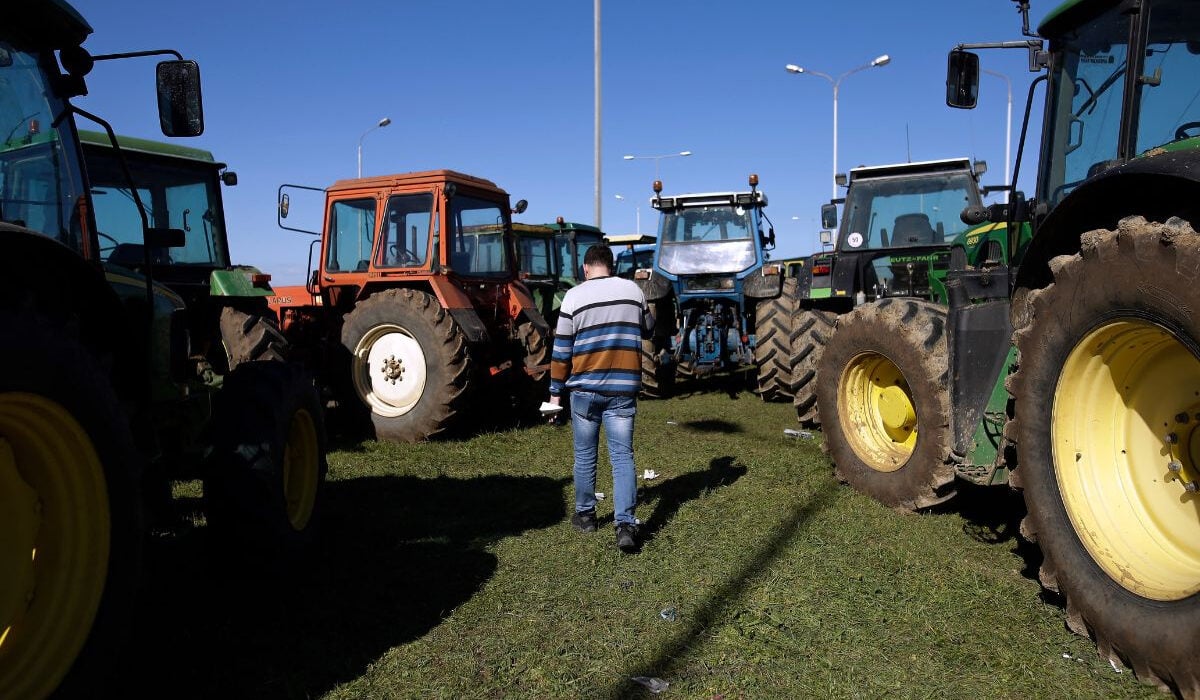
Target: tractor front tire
775,331
409,364
884,400
249,337
1107,411
813,329
267,469
70,514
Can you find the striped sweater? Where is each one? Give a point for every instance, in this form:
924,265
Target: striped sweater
598,340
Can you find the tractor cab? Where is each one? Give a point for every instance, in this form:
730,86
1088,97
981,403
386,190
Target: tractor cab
637,253
540,267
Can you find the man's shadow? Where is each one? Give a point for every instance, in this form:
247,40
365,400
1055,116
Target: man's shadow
668,496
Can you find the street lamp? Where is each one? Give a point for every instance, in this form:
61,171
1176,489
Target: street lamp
836,82
658,158
382,123
637,212
1007,126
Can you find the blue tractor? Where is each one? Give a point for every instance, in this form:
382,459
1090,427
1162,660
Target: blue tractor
718,305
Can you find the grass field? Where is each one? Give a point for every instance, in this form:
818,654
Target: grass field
449,570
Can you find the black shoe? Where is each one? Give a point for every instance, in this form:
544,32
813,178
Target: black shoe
626,537
584,520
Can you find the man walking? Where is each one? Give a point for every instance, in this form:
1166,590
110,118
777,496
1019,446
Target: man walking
597,357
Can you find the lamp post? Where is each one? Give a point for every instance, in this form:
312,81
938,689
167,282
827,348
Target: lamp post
1007,127
382,123
836,82
637,212
658,158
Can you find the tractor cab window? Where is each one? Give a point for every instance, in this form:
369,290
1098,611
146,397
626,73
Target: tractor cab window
1169,108
536,256
895,212
477,237
352,229
1087,84
178,195
573,268
38,189
405,231
707,239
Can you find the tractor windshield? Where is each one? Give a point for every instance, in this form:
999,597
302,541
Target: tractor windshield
39,189
1170,109
477,242
535,253
898,212
1083,122
1087,89
178,193
707,239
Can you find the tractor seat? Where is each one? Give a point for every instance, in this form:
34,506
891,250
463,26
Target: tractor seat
912,229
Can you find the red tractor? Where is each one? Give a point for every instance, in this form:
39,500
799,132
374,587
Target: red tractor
415,308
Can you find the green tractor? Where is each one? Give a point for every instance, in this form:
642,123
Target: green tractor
551,260
900,227
1080,356
134,360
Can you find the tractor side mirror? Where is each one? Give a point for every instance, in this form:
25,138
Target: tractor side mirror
768,240
285,203
180,108
826,237
962,79
229,178
829,216
521,206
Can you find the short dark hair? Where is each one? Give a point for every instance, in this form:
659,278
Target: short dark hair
599,254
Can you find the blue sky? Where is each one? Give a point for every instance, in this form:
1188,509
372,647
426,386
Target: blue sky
505,91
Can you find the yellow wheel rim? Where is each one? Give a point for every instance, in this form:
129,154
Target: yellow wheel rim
301,469
54,542
876,411
1125,447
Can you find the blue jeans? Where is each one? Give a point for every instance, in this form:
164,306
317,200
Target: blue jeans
588,412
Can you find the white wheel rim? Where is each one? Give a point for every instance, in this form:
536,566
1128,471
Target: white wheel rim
389,370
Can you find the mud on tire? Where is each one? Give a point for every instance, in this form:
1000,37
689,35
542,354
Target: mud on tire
813,329
249,336
658,381
884,403
404,335
775,331
1105,396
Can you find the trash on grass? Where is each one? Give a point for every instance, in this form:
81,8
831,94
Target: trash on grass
668,614
649,474
1114,665
599,495
801,434
671,422
654,685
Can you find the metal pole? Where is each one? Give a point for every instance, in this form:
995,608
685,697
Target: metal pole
835,120
596,60
1007,129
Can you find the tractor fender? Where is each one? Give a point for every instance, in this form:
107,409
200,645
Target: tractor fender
242,281
60,283
1157,187
450,297
654,287
764,283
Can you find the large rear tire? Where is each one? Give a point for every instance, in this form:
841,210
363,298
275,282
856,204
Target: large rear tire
533,380
885,402
409,364
70,514
658,381
775,332
1107,406
268,467
813,329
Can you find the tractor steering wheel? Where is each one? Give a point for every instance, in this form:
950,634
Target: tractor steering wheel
1181,132
402,256
107,237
